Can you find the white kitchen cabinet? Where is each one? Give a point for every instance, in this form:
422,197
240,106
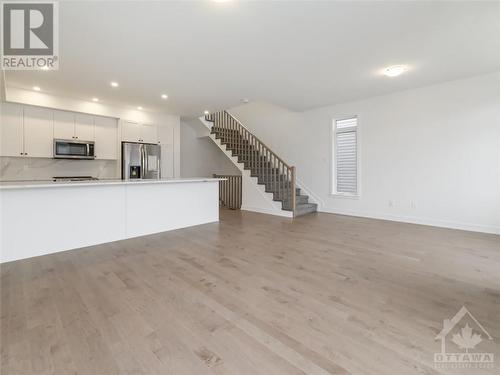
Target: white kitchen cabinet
38,132
64,125
11,130
166,139
84,127
70,125
137,132
165,135
105,138
131,131
149,133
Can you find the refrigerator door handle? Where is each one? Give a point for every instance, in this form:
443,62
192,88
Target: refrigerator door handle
143,161
158,167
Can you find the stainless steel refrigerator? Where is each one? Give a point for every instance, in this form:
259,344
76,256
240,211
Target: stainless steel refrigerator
141,161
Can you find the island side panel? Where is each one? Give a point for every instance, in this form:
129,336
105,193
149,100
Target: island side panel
161,207
47,220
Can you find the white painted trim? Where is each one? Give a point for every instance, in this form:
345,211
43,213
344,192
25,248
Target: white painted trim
417,220
261,210
344,195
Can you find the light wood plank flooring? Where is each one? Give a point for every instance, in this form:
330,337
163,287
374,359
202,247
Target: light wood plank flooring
253,294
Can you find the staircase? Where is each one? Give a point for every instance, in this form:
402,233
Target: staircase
276,176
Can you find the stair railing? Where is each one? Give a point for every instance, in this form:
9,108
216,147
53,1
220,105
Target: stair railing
269,166
230,191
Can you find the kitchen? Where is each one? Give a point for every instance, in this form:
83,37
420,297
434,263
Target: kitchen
87,173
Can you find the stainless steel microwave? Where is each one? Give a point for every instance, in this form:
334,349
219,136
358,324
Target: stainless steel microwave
71,149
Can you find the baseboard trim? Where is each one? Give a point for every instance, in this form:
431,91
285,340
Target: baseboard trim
416,220
281,213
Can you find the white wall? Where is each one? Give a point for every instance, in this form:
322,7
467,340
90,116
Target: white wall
437,146
200,157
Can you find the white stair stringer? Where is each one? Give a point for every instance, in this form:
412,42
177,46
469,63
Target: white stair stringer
254,196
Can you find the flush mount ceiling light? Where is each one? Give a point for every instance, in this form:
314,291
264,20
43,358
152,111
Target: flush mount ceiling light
395,70
206,112
45,67
164,96
95,99
114,84
139,108
36,88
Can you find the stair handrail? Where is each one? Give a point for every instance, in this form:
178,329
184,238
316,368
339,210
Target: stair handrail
259,140
262,148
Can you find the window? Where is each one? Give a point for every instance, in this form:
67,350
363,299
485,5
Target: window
345,156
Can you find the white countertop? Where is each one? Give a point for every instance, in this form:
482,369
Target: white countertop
5,185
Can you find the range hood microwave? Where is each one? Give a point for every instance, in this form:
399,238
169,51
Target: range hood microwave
71,149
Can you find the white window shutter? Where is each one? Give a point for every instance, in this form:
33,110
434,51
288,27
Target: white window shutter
346,156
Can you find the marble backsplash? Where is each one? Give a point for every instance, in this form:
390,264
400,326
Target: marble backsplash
12,169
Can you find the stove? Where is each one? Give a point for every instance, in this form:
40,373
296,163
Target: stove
73,178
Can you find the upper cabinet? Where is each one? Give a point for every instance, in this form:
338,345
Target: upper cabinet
137,132
166,135
11,130
105,138
30,131
38,132
84,127
149,133
69,125
64,125
131,131
26,131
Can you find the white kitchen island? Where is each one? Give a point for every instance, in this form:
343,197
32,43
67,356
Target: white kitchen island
39,218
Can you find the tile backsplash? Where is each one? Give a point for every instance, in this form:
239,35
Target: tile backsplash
12,169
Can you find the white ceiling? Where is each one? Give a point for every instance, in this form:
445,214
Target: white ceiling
209,55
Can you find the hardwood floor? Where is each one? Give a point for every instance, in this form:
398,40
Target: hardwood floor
253,294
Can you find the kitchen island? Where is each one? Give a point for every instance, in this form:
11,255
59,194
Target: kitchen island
42,217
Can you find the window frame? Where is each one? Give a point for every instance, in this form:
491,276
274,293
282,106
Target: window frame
333,159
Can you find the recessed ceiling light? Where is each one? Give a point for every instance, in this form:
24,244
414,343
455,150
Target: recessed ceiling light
36,88
139,108
206,112
164,96
395,70
114,84
95,99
